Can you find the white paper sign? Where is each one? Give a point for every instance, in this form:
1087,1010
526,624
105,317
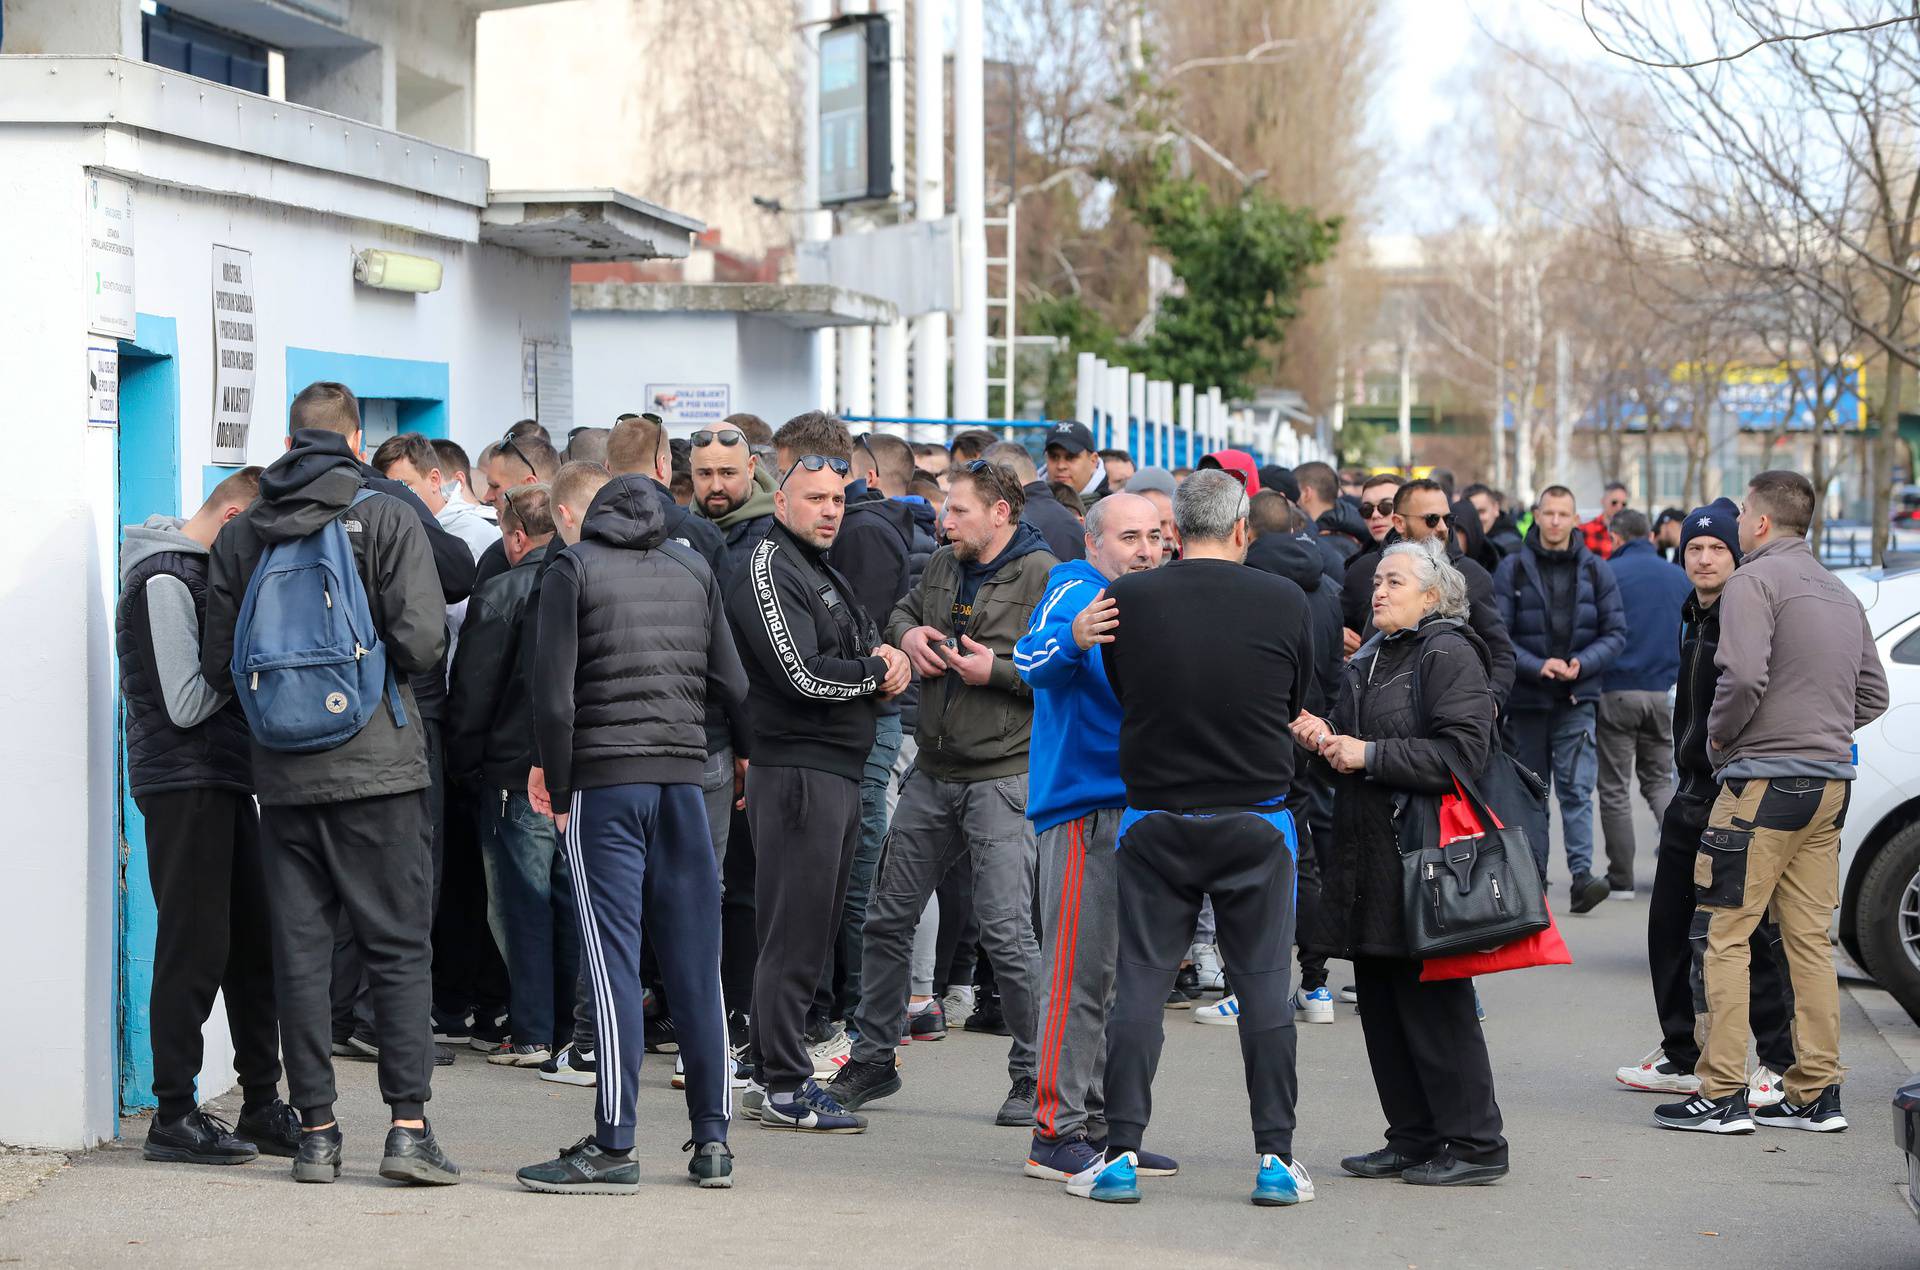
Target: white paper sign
103,384
690,403
109,256
235,343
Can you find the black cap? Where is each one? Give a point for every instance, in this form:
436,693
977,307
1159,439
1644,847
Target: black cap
1074,438
1275,477
1668,516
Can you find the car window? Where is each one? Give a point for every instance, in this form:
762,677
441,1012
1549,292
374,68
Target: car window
1907,651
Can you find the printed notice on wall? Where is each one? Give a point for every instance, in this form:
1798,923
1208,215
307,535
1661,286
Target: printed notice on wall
109,278
235,343
690,403
103,384
546,383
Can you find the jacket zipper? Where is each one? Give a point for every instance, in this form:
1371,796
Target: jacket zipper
1694,721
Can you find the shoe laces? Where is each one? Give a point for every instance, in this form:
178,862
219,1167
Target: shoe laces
211,1121
578,1148
1024,1088
811,1095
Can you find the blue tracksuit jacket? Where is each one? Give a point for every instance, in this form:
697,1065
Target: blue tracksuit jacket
1074,763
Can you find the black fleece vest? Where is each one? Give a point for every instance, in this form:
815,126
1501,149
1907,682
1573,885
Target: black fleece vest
217,754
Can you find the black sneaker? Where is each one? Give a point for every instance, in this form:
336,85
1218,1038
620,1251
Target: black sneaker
711,1167
412,1155
858,1083
451,1029
361,1045
1186,989
488,1035
1588,892
571,1066
318,1159
1822,1115
274,1128
928,1025
442,1055
583,1169
1707,1115
197,1138
989,1018
1448,1170
1386,1162
1018,1108
660,1036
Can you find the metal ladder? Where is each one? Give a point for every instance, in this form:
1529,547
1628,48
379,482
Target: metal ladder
1007,339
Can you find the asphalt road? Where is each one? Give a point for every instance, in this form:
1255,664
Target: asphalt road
934,1182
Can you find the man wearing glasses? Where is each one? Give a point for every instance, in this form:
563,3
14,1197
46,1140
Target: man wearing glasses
1421,511
967,796
732,488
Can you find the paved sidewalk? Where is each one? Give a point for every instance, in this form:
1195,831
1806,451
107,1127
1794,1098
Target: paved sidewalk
935,1183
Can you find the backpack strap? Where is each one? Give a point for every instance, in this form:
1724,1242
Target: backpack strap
394,704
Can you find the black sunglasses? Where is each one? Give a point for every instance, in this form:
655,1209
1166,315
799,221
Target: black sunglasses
814,462
1382,508
1436,519
725,436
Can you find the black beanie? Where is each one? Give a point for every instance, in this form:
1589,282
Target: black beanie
1718,519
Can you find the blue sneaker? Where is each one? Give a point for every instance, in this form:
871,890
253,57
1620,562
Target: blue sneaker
1279,1183
1109,1181
809,1109
1060,1161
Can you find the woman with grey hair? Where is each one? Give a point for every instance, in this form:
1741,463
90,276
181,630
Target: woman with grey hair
1414,707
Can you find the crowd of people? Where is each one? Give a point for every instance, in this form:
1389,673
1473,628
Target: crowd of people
777,751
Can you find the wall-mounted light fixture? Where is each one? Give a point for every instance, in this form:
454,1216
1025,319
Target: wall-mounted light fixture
395,271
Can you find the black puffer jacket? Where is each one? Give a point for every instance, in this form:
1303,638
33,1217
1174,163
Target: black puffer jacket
215,751
1409,744
874,553
489,722
633,638
1342,527
1299,559
925,541
312,483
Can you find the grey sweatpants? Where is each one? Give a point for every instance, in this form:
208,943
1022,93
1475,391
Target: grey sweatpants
1635,739
1079,911
936,821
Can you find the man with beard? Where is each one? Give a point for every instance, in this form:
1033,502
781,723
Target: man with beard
732,489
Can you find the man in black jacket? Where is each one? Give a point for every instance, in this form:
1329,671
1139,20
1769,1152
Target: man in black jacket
189,770
347,829
632,640
1339,528
1421,511
815,666
1065,535
1676,927
490,751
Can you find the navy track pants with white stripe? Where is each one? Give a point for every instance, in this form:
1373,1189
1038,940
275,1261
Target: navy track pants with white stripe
643,851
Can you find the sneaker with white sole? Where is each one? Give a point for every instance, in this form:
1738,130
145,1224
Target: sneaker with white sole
753,1099
1621,893
1764,1088
572,1066
1225,1011
1658,1074
1707,1115
830,1055
529,1054
1206,964
1315,1006
1350,994
809,1109
957,1005
1822,1115
1109,1182
1278,1183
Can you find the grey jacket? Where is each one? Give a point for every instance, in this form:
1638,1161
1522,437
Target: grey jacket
1798,669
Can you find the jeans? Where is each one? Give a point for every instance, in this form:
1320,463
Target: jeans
1636,737
532,913
874,818
1559,744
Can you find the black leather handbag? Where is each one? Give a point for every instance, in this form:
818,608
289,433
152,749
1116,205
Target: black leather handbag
1475,891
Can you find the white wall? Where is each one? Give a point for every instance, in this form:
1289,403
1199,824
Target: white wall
58,874
768,366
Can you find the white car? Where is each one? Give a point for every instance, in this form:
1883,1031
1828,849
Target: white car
1879,918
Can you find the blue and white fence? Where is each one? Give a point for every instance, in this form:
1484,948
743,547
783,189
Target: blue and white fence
1171,425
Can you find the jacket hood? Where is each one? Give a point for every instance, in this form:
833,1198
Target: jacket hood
1572,551
306,487
1025,541
921,511
676,515
158,534
630,512
1344,518
759,501
1430,626
1466,522
1296,559
1238,461
896,513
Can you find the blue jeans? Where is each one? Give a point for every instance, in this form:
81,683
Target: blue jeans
531,912
1560,745
874,781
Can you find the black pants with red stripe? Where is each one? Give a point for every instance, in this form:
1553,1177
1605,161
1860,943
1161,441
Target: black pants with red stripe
1079,940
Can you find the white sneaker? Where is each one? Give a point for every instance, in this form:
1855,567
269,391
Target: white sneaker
1350,994
830,1055
1626,893
1224,1011
1764,1088
1315,1006
1206,963
1657,1074
753,1099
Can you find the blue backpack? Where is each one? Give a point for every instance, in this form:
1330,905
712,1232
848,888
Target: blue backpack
308,667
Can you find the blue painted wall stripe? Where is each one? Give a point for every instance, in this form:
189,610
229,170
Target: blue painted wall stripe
420,386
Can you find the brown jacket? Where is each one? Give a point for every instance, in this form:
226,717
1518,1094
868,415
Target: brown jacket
1798,669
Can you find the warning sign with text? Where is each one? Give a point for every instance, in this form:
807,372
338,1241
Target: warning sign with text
235,345
689,403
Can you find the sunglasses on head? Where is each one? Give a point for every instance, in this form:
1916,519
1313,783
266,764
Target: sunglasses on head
725,436
506,443
814,462
1382,508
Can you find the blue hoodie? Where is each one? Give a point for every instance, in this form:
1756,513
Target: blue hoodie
1074,763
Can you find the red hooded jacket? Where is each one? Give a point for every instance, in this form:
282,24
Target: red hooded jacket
1237,461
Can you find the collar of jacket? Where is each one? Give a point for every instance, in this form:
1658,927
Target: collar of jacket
1784,546
759,503
1539,550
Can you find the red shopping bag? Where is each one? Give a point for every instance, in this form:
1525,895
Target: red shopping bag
1542,948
